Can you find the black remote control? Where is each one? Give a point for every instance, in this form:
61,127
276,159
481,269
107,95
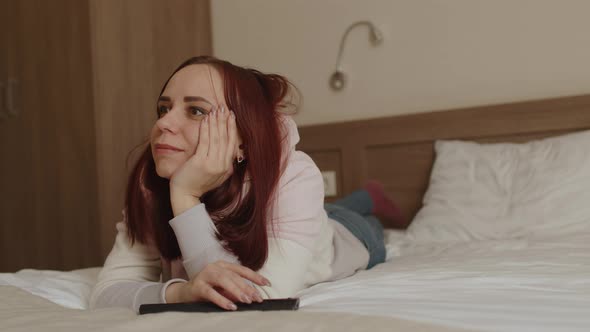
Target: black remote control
266,305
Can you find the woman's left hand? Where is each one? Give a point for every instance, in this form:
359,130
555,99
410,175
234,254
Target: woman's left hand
212,162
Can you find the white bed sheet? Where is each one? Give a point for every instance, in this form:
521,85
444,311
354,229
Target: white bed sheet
540,284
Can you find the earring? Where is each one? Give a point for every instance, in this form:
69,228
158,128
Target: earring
240,159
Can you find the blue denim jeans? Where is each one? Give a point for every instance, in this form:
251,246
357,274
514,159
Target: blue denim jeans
354,213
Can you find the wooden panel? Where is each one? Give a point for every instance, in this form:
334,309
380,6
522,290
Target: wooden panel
15,153
136,45
522,138
404,170
398,151
567,113
50,185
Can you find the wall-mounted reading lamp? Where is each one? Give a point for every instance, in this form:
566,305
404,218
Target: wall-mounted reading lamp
338,78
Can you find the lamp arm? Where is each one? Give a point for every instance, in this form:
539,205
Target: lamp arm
374,34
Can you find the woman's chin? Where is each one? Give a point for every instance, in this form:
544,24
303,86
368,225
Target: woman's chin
165,171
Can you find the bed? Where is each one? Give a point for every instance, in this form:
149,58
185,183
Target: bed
500,237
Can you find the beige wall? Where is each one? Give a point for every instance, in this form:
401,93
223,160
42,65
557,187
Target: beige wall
436,54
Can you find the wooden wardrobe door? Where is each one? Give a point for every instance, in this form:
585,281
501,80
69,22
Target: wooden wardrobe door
50,221
15,152
17,185
88,75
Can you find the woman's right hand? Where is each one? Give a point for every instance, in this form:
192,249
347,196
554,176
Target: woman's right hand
221,283
213,160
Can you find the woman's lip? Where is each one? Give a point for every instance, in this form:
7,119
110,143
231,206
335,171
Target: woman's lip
167,148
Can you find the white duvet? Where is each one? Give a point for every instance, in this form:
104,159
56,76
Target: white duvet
534,284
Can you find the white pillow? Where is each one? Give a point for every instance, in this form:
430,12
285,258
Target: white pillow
497,191
70,289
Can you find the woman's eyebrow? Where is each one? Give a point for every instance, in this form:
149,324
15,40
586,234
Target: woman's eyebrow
196,98
186,99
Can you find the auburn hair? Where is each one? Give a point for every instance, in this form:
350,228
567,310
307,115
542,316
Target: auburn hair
241,216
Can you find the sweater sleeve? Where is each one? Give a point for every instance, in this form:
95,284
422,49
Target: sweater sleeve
297,218
285,266
130,276
197,238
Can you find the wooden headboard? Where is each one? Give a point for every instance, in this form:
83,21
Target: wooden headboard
399,150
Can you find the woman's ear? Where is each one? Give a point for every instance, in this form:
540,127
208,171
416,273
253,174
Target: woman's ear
240,154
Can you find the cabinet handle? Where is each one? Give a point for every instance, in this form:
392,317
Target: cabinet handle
3,98
11,86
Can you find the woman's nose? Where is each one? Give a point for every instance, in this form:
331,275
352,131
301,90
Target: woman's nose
169,121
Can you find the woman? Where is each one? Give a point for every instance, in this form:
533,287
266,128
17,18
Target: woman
221,207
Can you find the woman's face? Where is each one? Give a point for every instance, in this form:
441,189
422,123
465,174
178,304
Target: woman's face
190,94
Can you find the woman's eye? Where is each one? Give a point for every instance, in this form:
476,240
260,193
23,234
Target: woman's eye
196,111
162,110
